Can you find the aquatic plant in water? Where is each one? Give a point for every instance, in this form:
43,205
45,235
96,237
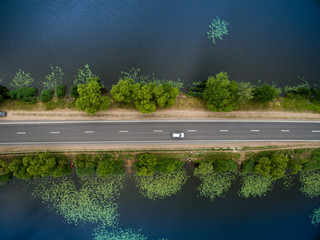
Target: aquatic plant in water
310,183
83,75
54,78
161,185
215,184
254,185
315,217
101,233
21,80
93,202
218,28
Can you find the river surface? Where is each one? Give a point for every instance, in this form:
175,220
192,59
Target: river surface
274,41
281,214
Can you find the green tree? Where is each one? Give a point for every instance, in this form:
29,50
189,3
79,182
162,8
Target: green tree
204,168
220,165
46,95
169,165
83,75
220,93
123,90
54,78
279,164
144,98
90,97
165,94
19,169
4,167
85,164
107,165
263,167
146,164
265,93
60,91
40,166
21,80
244,92
218,28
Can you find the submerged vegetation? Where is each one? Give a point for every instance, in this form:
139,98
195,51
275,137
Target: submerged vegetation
218,28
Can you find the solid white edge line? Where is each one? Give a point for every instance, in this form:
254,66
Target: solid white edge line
168,141
178,120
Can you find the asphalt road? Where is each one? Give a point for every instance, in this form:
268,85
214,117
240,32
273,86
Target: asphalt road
126,132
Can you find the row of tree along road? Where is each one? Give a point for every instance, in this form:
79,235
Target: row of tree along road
147,93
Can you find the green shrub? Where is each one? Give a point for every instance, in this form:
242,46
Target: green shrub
46,95
27,94
313,163
61,91
107,165
5,178
169,165
265,93
85,164
74,91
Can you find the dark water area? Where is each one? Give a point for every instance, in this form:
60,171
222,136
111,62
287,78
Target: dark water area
268,40
281,214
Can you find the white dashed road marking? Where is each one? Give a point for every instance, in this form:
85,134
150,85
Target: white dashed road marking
88,131
285,130
123,131
54,132
191,130
157,130
255,130
224,130
315,130
21,133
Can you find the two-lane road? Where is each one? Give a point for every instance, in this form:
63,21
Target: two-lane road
143,132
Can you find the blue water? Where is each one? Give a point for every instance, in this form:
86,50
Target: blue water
280,215
268,40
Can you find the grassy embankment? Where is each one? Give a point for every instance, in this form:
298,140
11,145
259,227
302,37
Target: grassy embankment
187,103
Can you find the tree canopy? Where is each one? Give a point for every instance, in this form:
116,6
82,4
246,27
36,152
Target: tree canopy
90,97
220,93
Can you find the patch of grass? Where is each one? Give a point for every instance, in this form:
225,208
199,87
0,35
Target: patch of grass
189,103
299,104
19,105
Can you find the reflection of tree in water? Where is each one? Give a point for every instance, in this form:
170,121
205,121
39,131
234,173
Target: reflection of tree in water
215,184
310,181
254,185
92,200
161,185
